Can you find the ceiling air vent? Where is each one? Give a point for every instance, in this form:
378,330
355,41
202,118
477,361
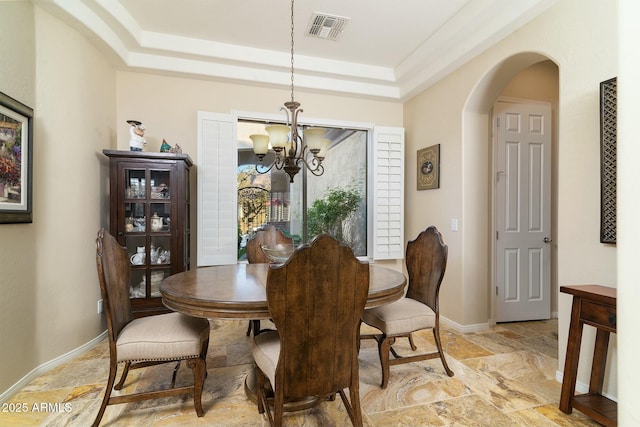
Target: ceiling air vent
326,26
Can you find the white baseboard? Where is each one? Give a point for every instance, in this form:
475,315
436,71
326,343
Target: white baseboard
47,366
464,328
582,387
478,327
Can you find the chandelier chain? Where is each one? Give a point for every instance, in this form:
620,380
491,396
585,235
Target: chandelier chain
292,46
293,152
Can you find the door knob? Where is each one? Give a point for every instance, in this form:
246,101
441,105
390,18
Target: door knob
547,240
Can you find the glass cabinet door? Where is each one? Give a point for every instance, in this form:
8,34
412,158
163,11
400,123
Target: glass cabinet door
137,250
147,211
135,184
160,218
160,184
135,218
154,259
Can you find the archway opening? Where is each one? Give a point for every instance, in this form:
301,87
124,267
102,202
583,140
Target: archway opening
519,76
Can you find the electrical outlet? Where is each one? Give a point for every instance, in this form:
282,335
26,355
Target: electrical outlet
100,308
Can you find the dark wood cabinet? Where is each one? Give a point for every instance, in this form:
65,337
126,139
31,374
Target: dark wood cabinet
149,215
592,305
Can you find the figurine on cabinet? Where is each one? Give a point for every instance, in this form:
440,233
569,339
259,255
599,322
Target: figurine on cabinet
136,132
165,147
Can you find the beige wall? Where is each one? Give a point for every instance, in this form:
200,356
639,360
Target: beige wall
455,113
17,241
48,282
75,104
168,106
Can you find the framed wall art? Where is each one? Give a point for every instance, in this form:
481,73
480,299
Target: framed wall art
16,152
608,160
429,168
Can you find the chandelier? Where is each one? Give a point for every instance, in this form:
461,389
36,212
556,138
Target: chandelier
291,149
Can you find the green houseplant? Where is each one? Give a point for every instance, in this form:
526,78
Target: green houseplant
328,214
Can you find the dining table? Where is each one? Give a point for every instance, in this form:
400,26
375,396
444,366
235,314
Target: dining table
238,291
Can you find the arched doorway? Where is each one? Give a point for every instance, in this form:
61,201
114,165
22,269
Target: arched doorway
524,76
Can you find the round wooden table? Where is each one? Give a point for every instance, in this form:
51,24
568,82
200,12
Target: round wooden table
237,291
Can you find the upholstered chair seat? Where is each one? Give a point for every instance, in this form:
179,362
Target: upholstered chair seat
400,317
266,352
168,336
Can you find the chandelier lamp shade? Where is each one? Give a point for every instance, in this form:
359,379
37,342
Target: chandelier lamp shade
291,149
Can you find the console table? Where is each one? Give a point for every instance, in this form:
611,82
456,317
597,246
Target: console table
596,306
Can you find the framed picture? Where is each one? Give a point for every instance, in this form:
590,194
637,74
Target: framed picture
429,168
608,160
16,151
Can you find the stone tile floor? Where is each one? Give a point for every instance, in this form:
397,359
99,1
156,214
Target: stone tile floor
504,376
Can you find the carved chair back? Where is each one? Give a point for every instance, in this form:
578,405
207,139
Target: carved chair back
426,260
112,261
316,300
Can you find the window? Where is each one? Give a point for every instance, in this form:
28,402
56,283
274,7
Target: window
333,203
380,178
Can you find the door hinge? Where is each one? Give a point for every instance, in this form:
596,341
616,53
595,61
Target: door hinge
498,122
496,291
497,237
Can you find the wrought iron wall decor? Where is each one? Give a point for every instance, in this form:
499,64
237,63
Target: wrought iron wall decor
608,138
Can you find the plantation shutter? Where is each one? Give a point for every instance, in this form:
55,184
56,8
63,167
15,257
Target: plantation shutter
388,193
217,184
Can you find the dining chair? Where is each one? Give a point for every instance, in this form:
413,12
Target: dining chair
145,341
316,299
267,235
426,260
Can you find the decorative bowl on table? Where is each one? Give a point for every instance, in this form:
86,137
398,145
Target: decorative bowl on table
278,253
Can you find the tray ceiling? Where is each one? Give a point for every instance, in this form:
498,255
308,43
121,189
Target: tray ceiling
386,49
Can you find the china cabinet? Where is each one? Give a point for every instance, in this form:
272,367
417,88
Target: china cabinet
149,215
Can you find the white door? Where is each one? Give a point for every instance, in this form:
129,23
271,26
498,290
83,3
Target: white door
523,211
